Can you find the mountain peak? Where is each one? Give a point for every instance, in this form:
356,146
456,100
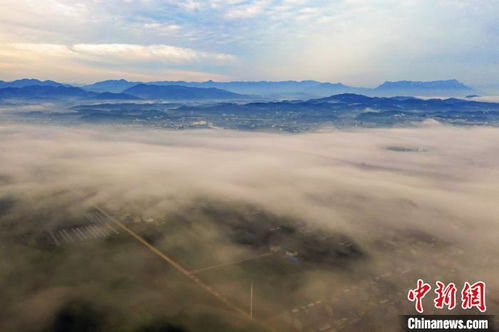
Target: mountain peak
451,84
24,82
178,92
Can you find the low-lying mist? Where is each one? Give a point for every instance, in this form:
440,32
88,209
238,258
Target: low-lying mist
350,219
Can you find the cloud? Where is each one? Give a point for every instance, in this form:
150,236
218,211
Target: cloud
91,61
164,28
246,11
148,53
112,52
190,5
410,212
36,50
357,42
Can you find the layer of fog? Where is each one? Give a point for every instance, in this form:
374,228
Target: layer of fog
370,185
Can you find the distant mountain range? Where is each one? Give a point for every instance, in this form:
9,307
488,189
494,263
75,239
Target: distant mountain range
352,103
434,88
342,110
263,88
304,89
59,92
277,89
177,90
53,90
110,86
29,82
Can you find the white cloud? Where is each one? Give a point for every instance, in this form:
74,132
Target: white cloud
359,42
122,52
245,11
190,5
136,52
37,49
157,52
160,27
89,62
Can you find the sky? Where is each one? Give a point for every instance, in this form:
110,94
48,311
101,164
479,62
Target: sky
357,42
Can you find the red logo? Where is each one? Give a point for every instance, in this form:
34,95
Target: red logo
472,296
446,295
418,293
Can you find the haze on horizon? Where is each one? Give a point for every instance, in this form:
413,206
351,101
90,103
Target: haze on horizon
356,42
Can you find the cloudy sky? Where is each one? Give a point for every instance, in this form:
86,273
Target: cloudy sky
360,42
